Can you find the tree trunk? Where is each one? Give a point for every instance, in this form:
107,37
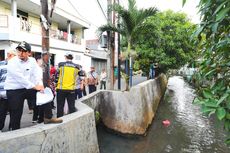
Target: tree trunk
130,63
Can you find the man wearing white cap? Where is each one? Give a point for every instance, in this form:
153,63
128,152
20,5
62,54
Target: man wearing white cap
67,73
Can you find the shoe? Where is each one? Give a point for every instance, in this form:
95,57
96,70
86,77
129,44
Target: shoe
52,120
40,121
34,121
30,111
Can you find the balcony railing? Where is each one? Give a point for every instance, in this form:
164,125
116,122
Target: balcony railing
75,39
25,25
61,35
8,23
4,21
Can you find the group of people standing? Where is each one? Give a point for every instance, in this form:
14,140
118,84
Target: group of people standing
21,77
24,77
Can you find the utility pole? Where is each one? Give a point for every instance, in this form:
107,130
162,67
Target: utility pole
110,54
113,45
45,24
118,54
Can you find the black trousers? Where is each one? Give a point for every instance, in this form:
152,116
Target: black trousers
39,112
3,111
62,95
32,101
45,111
31,98
16,100
36,113
92,88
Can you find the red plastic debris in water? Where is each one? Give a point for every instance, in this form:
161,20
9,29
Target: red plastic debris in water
166,123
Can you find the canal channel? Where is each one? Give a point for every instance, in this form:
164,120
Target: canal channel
189,131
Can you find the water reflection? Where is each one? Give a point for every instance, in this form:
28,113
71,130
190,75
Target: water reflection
189,132
197,127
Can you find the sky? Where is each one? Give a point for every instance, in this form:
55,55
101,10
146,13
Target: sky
175,5
90,10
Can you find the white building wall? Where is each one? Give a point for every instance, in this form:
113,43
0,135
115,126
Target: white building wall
79,58
86,63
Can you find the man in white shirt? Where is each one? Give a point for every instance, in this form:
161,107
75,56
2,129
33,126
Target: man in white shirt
22,70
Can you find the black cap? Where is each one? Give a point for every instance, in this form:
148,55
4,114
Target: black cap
24,45
81,73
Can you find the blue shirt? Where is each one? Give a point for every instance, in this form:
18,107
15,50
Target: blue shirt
3,72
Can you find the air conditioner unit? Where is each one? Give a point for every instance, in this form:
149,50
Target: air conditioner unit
103,41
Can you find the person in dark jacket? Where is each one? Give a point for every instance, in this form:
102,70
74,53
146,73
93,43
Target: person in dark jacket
67,74
45,110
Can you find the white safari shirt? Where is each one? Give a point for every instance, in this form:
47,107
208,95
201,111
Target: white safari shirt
22,74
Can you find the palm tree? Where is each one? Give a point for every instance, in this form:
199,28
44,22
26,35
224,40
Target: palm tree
132,21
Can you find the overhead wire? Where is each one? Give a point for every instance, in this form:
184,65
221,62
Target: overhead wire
102,9
84,18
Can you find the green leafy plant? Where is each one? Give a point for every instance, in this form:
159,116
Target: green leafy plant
97,116
214,67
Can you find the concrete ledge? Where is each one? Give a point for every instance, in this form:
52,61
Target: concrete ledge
77,134
126,112
131,111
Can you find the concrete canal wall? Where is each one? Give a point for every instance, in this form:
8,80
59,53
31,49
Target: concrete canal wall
126,112
129,112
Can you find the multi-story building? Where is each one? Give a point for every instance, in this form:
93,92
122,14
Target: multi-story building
98,53
20,21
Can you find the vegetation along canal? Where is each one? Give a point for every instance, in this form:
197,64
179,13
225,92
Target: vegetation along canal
189,131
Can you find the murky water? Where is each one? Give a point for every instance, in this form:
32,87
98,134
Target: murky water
189,131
